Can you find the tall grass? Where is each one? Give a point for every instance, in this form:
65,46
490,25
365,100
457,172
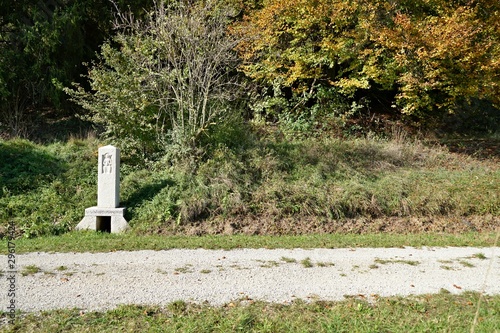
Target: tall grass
256,181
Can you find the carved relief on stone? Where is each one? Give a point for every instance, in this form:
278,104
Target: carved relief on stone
107,163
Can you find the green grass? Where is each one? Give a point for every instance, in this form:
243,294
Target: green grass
88,241
479,256
447,268
265,185
30,270
397,261
268,263
443,312
466,263
289,260
188,268
43,189
325,264
307,263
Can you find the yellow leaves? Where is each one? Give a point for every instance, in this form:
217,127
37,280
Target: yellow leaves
403,21
442,54
451,36
426,49
372,71
348,86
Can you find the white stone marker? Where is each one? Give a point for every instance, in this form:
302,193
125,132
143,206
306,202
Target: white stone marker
108,178
106,216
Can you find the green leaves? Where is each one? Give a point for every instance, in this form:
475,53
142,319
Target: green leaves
167,80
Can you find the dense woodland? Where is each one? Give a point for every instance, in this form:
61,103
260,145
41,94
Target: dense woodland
157,74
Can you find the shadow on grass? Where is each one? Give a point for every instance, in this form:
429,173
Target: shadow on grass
488,148
24,167
144,194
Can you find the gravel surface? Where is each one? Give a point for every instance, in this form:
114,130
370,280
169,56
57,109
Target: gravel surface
102,281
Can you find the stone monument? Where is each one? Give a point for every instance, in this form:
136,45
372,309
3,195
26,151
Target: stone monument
107,215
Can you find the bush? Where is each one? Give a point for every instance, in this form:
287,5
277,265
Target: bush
426,55
164,81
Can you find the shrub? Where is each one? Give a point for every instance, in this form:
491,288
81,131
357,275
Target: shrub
162,82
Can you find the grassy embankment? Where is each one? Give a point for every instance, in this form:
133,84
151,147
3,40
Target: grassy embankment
259,186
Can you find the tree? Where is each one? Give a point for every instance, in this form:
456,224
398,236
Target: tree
316,55
429,54
162,82
42,47
445,58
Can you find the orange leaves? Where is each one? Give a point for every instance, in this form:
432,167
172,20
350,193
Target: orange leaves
434,52
441,56
296,40
452,36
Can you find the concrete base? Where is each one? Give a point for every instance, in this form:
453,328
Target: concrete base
104,219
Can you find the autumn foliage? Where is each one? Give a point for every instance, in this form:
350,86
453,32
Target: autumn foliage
310,63
430,54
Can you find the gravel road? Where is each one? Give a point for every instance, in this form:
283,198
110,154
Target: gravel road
102,281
